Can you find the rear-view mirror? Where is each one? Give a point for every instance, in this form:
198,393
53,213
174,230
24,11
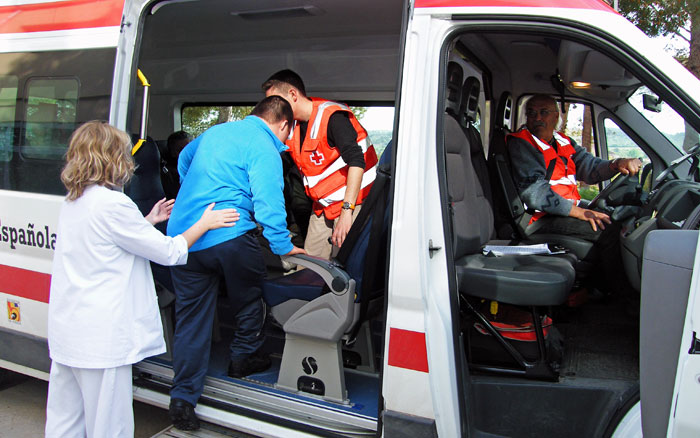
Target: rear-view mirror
652,103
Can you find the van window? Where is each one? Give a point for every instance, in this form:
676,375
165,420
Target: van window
198,118
8,104
667,121
578,124
379,123
377,120
50,117
620,145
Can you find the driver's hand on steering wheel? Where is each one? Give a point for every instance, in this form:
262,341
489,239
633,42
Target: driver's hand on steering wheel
627,166
595,218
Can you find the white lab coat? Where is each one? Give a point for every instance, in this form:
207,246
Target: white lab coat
103,309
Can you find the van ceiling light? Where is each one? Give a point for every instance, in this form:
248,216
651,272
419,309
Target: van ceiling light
577,84
264,14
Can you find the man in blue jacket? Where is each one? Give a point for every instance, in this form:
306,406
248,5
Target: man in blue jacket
237,165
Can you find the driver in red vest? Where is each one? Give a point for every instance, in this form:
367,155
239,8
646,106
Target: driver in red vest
335,157
534,147
546,166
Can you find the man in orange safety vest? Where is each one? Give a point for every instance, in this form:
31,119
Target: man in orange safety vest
336,159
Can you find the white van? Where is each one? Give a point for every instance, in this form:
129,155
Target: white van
410,334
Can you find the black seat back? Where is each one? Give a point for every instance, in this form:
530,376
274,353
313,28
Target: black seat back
146,188
364,250
512,217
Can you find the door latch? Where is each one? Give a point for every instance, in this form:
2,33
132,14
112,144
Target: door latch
432,249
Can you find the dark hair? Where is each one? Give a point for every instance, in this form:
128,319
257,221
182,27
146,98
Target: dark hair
274,109
178,136
285,77
177,142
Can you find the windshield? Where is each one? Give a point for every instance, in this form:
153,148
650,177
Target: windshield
666,120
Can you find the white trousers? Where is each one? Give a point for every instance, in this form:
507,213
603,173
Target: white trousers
89,403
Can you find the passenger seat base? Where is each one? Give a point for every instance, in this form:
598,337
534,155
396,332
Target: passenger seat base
307,359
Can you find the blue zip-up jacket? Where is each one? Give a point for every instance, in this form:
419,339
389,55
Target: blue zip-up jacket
237,165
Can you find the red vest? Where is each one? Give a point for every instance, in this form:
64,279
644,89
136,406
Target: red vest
323,169
563,179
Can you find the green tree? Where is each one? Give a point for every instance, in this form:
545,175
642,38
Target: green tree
359,111
680,18
197,119
669,17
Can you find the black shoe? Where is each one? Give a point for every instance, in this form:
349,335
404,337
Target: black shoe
182,415
255,363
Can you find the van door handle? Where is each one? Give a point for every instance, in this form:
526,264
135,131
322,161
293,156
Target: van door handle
432,249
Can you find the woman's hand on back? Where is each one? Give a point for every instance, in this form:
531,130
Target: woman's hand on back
213,219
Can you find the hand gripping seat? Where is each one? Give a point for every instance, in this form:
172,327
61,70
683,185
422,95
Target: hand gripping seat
530,281
325,304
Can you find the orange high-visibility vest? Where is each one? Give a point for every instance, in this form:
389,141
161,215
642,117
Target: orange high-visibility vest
323,169
563,179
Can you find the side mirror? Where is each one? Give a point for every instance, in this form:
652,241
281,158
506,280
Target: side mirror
652,103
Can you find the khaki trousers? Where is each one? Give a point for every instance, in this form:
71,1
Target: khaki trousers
320,230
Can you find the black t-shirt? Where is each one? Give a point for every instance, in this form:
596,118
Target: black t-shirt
341,135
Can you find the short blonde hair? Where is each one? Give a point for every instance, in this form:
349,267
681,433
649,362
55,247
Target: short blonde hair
98,153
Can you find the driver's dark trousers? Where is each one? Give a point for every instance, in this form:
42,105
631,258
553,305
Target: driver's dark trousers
607,243
238,265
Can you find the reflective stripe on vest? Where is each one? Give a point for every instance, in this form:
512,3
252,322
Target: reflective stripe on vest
323,169
563,179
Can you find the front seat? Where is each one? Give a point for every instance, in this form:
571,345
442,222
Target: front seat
531,281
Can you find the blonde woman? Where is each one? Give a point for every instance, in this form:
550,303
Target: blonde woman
103,313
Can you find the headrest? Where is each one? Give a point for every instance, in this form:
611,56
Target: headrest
470,99
504,112
454,88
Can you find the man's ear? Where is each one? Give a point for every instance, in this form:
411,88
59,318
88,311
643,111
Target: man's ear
293,94
284,127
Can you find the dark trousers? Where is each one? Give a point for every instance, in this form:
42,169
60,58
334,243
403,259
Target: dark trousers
609,269
239,264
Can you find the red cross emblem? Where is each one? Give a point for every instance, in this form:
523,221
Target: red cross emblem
316,158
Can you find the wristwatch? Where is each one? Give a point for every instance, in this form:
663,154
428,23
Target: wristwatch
348,206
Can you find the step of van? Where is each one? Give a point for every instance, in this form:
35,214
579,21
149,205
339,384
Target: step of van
207,430
253,407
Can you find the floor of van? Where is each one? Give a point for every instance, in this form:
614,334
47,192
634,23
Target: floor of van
362,387
601,338
599,375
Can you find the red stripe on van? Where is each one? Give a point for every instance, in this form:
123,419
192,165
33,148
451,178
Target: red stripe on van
407,350
61,15
24,283
579,4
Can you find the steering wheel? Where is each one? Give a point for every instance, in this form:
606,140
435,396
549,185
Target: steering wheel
693,152
601,198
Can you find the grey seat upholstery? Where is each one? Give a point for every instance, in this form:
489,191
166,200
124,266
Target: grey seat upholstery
472,227
518,280
522,280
